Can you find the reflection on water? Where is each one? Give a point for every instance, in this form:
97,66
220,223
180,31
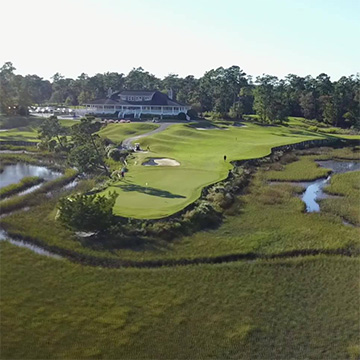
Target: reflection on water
12,174
339,167
313,192
5,237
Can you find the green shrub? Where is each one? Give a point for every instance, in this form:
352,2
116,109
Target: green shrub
192,114
203,216
313,128
87,212
181,116
167,230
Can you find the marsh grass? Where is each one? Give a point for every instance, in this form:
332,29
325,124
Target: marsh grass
304,307
32,149
38,196
325,153
24,183
261,310
268,219
304,169
347,206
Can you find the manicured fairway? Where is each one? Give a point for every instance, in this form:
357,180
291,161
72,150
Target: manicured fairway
118,132
115,132
287,309
20,134
154,192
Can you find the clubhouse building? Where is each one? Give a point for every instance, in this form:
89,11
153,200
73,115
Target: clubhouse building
136,103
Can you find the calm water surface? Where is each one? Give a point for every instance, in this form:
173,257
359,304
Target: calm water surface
314,189
12,174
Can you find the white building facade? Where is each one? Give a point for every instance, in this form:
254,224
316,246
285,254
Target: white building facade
136,103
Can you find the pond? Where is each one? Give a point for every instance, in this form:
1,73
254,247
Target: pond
314,189
12,174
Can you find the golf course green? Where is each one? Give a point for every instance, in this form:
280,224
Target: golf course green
28,133
158,191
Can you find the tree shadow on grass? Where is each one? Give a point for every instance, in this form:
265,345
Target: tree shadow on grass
149,191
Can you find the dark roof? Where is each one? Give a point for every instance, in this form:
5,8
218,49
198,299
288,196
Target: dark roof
138,92
157,99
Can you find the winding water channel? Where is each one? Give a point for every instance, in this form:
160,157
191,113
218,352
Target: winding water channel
14,173
314,189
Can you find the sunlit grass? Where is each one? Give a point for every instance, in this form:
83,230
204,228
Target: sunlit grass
24,183
28,133
119,132
348,204
267,309
268,219
201,157
305,169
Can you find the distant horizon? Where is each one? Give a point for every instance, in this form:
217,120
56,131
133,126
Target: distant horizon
125,73
277,37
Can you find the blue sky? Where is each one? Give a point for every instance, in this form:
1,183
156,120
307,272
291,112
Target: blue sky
184,37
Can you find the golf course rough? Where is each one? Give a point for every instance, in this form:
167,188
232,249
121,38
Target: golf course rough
151,192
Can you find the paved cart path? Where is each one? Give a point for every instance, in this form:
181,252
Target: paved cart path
127,142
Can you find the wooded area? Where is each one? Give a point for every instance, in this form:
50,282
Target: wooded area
228,92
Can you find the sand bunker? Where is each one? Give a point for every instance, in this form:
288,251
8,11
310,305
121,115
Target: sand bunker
161,162
211,128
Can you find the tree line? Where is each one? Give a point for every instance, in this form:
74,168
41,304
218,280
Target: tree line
225,92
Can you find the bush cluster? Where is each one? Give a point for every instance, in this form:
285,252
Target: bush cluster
313,128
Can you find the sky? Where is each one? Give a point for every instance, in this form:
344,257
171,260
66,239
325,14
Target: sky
184,37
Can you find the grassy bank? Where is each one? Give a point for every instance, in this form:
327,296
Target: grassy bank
41,158
267,220
38,196
12,122
27,133
347,186
305,169
119,132
262,310
24,184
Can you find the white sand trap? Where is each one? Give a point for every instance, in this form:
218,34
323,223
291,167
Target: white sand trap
161,162
212,128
